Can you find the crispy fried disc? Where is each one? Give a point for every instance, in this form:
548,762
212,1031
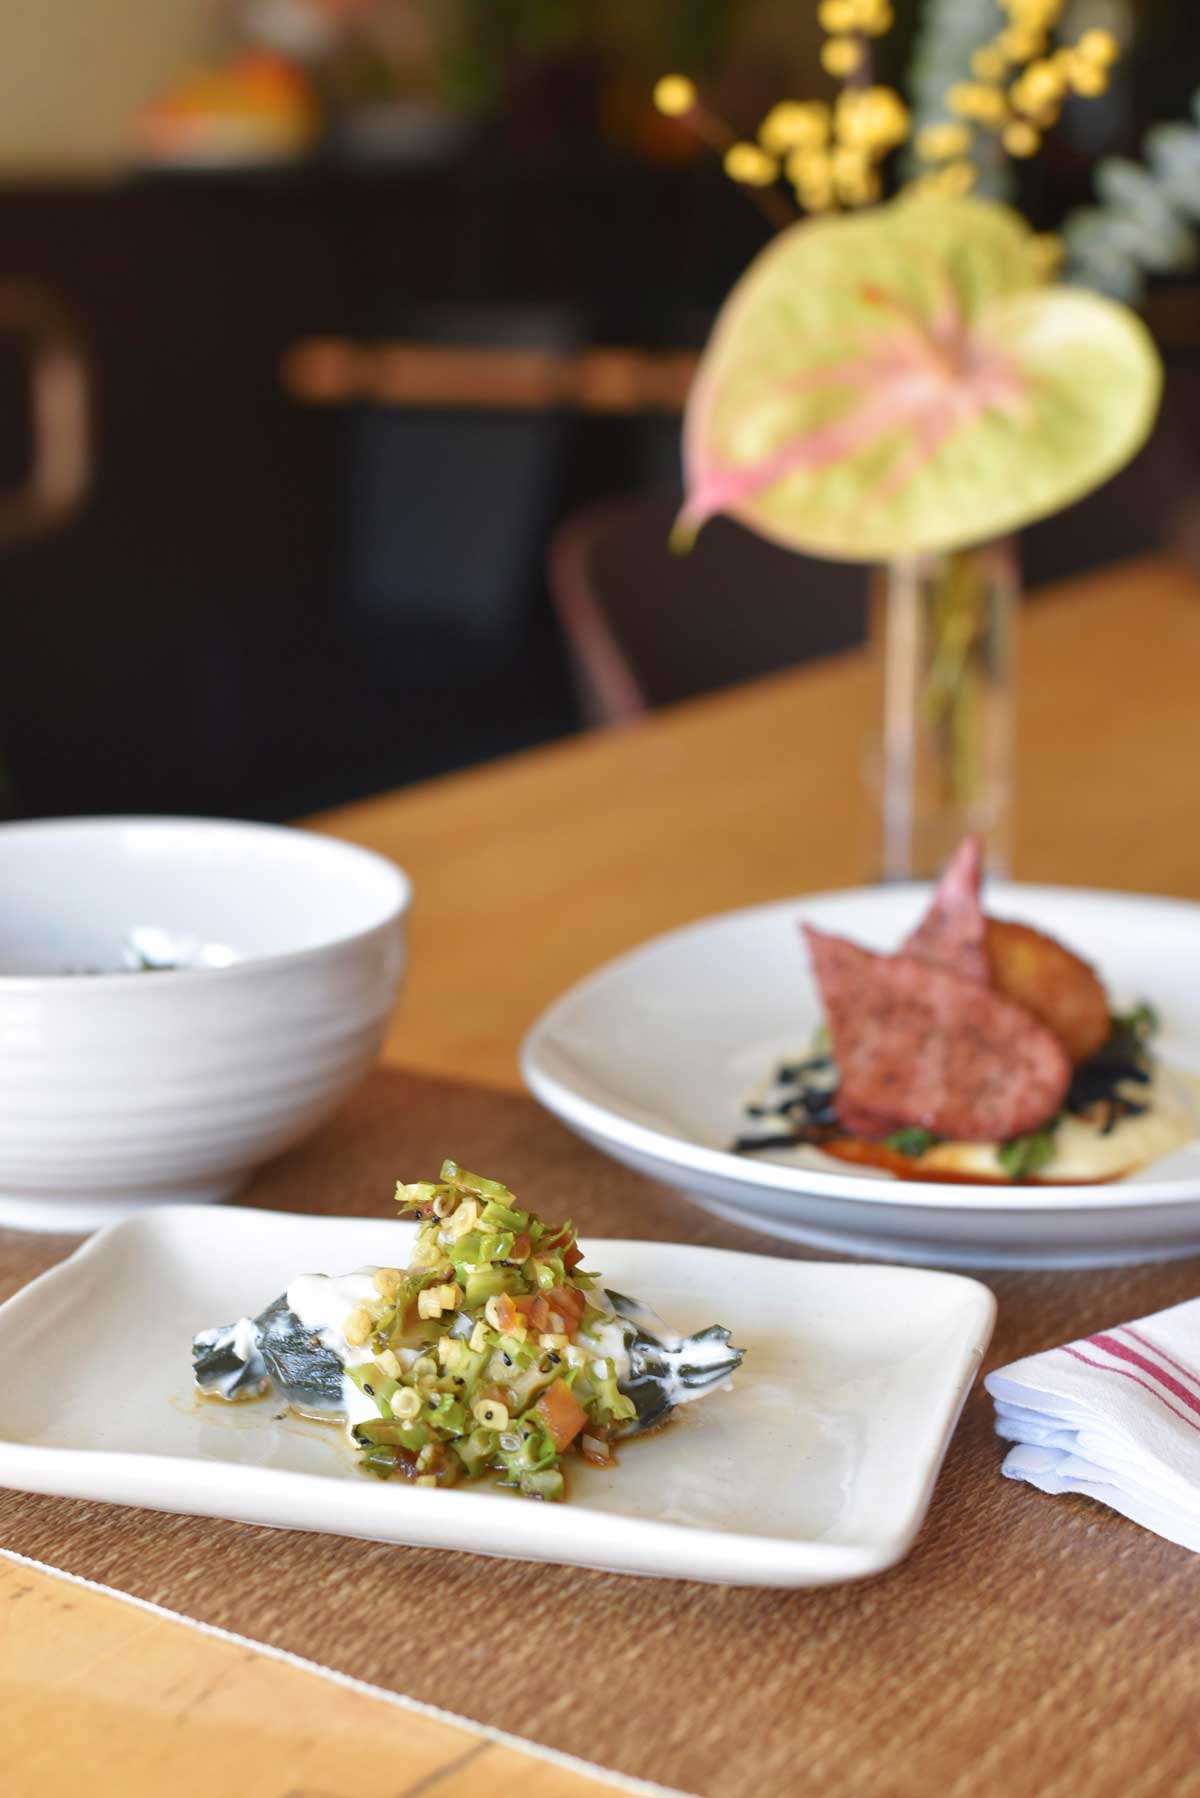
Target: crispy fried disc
1056,985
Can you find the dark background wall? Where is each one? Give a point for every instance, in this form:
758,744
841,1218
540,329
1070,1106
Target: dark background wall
265,606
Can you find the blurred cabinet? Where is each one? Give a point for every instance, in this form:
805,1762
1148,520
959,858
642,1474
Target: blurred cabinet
264,605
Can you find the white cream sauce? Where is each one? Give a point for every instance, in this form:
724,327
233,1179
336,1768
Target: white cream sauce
607,1342
611,1339
323,1303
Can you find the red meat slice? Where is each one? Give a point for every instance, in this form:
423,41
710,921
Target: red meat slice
918,1045
951,934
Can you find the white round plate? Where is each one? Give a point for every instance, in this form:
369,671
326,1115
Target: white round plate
652,1057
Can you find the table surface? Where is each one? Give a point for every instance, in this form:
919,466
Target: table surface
528,873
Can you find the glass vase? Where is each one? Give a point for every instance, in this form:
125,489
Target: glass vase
942,628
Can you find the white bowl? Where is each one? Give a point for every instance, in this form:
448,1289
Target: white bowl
121,1089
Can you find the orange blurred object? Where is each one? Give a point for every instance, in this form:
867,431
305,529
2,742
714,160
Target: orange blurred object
258,108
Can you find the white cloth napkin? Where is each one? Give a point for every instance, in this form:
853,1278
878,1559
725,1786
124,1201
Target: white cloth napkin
1116,1416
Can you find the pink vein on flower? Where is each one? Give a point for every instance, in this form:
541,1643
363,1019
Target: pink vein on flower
927,377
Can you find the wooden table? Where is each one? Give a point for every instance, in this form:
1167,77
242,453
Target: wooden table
527,874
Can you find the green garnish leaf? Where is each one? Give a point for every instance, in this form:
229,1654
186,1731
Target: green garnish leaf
1025,1156
910,1141
1142,1023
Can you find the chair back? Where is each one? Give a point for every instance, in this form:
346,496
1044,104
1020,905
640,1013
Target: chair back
646,627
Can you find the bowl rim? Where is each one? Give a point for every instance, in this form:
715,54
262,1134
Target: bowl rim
168,979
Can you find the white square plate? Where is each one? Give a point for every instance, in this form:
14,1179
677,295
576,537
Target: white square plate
815,1465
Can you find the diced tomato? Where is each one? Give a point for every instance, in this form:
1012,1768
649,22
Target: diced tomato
572,1256
536,1312
508,1312
568,1303
561,1413
520,1249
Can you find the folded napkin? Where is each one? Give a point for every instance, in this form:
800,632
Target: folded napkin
1115,1416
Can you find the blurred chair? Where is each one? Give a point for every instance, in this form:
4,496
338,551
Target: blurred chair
646,627
446,499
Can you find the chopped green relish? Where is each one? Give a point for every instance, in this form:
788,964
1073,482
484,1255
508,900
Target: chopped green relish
486,1356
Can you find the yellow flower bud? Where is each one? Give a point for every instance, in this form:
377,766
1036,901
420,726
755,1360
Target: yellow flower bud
1098,46
936,143
804,165
795,124
811,174
854,178
989,63
975,100
1020,44
849,163
1042,84
1087,78
674,95
1037,15
873,118
1021,138
841,56
751,166
875,17
837,15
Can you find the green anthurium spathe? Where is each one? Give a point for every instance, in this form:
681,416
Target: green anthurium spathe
903,381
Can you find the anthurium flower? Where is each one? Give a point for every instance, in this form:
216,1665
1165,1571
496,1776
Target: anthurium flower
903,380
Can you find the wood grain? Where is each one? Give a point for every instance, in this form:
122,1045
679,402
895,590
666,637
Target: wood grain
211,1716
1028,1645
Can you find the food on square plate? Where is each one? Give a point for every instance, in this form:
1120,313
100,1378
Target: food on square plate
981,1050
492,1355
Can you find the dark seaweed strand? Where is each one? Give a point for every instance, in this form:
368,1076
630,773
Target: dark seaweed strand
1125,1057
810,1107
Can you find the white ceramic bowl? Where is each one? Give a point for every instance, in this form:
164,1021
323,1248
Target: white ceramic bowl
121,1089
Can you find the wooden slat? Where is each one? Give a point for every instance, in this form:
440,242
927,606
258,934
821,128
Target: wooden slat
336,371
100,1696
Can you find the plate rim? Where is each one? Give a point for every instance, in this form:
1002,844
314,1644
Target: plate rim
728,1557
682,1154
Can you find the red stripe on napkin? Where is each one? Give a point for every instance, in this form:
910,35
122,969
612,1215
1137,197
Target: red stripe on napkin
1173,1386
1103,1367
1162,1354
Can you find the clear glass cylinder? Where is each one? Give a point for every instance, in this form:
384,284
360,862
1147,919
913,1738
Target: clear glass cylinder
942,630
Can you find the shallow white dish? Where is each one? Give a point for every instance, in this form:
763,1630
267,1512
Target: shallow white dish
120,1089
651,1059
816,1466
